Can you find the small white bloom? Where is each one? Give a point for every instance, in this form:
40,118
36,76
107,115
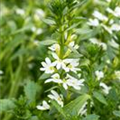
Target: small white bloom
115,27
38,31
106,89
108,1
73,36
59,62
104,45
93,22
115,12
40,12
72,45
1,72
113,43
83,109
100,16
108,61
73,82
20,11
72,65
99,74
54,78
117,74
96,41
55,96
111,21
45,106
48,66
108,29
55,47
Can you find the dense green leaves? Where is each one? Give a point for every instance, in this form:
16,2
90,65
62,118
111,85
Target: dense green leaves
47,42
74,106
116,113
91,117
100,97
31,89
6,104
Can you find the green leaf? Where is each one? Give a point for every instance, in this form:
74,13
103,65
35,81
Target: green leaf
31,90
47,42
116,113
6,104
44,76
73,26
59,108
91,117
34,118
74,106
49,21
100,97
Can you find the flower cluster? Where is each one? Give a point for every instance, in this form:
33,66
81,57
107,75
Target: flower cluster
100,75
108,24
60,69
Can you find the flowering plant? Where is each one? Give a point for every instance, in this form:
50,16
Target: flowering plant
62,62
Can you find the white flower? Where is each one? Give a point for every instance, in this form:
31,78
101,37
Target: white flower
108,1
38,31
39,13
83,109
111,21
59,62
54,78
48,67
1,72
113,43
108,29
104,46
117,74
20,11
55,47
116,12
72,45
96,41
55,96
99,16
45,106
72,65
99,74
93,22
106,89
73,82
115,27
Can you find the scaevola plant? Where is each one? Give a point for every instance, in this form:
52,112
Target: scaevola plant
69,67
63,68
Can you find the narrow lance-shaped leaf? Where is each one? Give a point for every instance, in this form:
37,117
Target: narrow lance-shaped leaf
31,90
100,97
116,113
74,106
6,104
91,117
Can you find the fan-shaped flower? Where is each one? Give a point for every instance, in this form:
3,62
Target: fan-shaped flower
44,106
55,96
48,66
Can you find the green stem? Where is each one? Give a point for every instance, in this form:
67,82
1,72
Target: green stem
88,107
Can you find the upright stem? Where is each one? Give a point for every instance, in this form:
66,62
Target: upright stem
88,107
